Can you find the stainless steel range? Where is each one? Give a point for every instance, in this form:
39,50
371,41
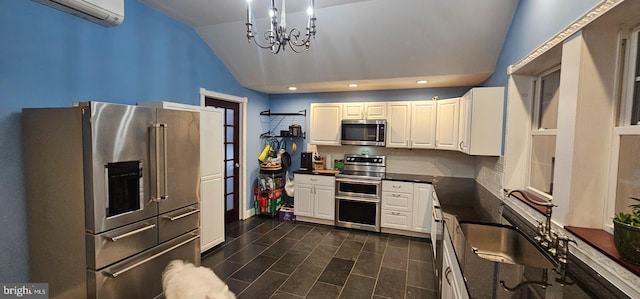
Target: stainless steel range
358,192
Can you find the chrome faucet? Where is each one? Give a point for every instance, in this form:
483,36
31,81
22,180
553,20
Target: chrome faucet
556,244
546,236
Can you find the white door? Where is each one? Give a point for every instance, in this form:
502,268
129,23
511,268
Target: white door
447,124
422,208
211,213
423,124
353,111
464,129
375,110
398,124
325,124
303,200
324,202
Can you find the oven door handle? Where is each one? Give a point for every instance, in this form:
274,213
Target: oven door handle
364,182
362,199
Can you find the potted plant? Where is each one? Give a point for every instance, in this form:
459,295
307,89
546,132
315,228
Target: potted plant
626,233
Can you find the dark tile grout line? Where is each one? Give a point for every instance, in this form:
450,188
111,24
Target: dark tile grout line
313,226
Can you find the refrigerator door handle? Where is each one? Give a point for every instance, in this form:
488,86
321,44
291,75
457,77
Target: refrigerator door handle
155,127
117,273
131,233
174,218
165,194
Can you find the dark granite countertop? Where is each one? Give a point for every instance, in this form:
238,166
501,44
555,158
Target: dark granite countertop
469,201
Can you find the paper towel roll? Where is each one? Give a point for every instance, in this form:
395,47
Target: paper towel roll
329,163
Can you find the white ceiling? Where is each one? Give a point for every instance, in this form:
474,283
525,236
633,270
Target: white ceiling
378,44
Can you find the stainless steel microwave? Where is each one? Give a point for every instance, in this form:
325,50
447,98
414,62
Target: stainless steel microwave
364,132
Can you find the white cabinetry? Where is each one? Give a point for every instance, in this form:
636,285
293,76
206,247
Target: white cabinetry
422,207
212,208
397,203
453,285
372,110
411,124
423,124
480,129
315,198
398,124
448,111
406,206
325,124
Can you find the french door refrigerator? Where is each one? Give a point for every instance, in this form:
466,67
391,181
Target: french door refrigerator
112,196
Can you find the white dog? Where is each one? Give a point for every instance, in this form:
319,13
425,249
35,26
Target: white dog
181,280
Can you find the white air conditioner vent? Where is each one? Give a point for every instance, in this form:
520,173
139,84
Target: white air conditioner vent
104,12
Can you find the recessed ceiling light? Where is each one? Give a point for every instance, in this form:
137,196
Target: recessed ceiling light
421,81
292,88
353,85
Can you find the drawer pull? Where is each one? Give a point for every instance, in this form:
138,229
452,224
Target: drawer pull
131,233
115,274
174,218
397,186
395,213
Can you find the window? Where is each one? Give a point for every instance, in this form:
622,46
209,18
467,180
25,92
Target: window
543,133
625,170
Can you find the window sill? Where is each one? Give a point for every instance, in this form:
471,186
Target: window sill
603,242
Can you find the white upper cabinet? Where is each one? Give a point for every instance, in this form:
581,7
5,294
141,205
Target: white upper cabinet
372,110
423,124
448,111
325,123
481,114
411,124
398,124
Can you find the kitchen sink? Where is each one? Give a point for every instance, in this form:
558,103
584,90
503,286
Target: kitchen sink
503,244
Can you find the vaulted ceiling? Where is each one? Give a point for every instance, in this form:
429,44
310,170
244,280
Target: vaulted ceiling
378,44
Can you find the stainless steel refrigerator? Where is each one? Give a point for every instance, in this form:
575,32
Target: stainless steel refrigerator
112,196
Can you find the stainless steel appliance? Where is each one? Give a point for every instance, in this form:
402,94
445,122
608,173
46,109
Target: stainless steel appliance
363,132
112,197
358,192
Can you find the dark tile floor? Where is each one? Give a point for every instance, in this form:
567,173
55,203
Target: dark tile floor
270,258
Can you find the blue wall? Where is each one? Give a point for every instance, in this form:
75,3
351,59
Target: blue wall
51,59
535,22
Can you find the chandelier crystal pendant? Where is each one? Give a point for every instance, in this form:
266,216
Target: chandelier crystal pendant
277,37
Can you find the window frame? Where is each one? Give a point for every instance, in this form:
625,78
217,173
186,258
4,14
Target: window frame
535,130
628,57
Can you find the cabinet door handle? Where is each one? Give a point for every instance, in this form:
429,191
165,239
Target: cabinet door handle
461,147
446,275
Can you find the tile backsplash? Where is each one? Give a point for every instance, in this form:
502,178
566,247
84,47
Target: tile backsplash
414,161
489,172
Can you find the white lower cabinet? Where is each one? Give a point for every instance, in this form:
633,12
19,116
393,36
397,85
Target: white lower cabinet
422,207
315,196
453,285
406,206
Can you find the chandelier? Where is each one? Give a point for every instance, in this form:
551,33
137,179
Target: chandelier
277,37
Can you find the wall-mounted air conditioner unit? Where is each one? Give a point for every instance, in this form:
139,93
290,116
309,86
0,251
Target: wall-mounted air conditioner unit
104,12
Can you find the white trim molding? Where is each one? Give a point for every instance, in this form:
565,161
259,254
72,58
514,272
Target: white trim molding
244,213
576,26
